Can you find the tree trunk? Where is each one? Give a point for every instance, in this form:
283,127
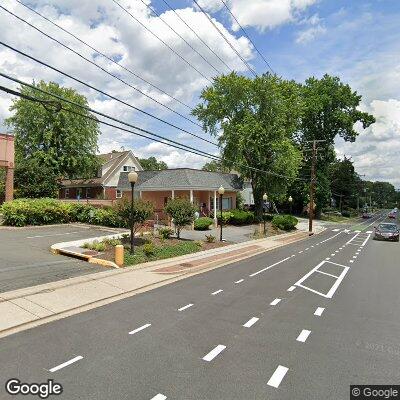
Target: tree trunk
258,202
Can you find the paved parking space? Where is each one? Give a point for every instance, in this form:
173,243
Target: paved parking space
25,258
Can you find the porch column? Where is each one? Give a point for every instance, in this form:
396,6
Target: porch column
9,184
140,193
215,208
173,193
191,196
209,201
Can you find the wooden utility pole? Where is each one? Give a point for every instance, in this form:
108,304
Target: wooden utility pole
312,188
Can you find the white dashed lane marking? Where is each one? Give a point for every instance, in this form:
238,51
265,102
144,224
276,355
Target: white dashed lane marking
251,322
216,292
270,266
239,281
159,396
318,312
185,307
275,302
213,353
139,329
63,365
291,288
304,334
277,376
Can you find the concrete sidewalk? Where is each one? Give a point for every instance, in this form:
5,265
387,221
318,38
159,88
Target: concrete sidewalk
25,308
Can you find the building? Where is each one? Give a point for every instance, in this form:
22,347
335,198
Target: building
198,186
104,185
7,162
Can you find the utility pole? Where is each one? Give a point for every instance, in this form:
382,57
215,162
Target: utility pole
312,184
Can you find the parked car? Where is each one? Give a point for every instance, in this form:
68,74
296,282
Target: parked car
387,231
366,215
393,214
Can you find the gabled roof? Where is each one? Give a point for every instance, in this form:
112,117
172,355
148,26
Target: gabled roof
182,179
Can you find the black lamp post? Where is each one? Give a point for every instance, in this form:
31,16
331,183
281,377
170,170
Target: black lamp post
265,198
132,178
291,203
221,192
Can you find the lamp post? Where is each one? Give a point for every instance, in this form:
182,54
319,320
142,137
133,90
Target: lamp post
265,198
132,178
290,202
221,192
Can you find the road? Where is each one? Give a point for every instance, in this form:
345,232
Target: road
25,258
300,322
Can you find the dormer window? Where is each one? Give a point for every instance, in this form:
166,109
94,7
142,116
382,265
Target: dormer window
128,168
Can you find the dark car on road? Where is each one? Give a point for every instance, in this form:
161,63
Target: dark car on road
387,231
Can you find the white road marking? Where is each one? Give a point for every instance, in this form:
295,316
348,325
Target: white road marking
304,334
270,266
337,251
335,230
318,312
239,281
326,273
351,261
251,322
357,231
139,329
54,234
291,288
332,254
327,258
159,396
277,376
213,353
307,248
185,307
369,232
346,231
329,238
300,251
275,302
216,292
293,255
63,365
352,238
354,256
366,240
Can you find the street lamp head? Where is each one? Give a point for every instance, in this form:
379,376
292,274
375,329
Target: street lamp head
221,190
265,197
290,199
132,177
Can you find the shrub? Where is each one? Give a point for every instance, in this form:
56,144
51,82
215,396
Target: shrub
226,217
182,212
210,238
165,233
284,222
239,217
203,223
112,242
149,249
267,217
142,210
199,243
346,214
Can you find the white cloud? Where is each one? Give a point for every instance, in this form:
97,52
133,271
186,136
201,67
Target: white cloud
309,34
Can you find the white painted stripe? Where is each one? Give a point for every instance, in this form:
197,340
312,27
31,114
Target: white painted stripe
273,265
239,281
365,241
304,334
293,255
291,288
277,376
307,248
351,261
213,353
335,230
354,256
251,322
318,312
352,238
275,302
369,232
327,258
357,231
326,273
54,234
332,254
185,307
300,251
329,238
333,289
159,396
63,365
139,329
216,292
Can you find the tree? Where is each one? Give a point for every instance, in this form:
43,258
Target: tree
33,179
258,119
182,211
62,142
142,211
151,164
214,166
330,111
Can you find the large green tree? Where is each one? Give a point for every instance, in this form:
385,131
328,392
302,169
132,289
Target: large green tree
255,121
331,110
152,164
63,142
214,166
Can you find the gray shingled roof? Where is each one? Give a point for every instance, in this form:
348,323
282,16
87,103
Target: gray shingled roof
183,179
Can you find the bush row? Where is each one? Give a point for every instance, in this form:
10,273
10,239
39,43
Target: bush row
236,217
284,222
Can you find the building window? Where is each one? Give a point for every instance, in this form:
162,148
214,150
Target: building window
118,194
127,168
226,203
66,193
88,193
79,193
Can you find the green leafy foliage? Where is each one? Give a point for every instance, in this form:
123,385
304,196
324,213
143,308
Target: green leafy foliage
142,211
210,238
149,249
284,222
151,164
182,211
203,223
236,217
165,232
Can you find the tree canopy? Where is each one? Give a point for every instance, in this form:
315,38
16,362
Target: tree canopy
255,121
214,166
62,142
152,164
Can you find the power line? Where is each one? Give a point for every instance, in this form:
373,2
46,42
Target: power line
179,35
225,38
197,35
103,92
162,41
248,37
100,67
164,140
105,56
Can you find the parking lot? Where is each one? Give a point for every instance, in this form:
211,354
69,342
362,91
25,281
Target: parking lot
25,258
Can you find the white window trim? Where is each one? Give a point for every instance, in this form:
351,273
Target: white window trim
118,194
86,193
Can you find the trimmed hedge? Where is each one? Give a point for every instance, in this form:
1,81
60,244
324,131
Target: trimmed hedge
284,222
22,212
203,223
236,217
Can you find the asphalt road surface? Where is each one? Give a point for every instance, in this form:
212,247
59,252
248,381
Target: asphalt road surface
301,322
25,258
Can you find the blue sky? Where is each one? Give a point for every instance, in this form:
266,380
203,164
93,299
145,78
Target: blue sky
359,41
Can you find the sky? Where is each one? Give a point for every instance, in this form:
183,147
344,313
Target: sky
357,40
